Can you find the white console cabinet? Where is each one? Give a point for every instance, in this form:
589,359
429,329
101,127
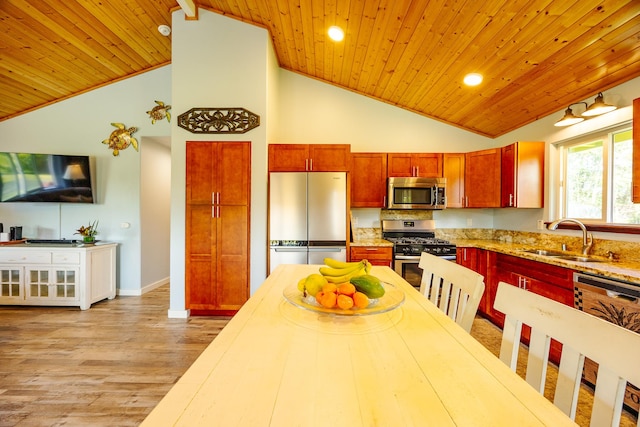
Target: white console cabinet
56,275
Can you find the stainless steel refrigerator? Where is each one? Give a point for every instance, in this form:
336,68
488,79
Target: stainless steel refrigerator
307,217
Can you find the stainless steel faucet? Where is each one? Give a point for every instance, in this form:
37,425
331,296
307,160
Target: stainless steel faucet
587,238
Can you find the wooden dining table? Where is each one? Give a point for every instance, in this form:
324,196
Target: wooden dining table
279,364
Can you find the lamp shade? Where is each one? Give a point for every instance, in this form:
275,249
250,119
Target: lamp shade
74,172
569,119
598,107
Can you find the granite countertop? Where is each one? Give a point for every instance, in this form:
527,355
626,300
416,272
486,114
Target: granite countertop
372,242
628,271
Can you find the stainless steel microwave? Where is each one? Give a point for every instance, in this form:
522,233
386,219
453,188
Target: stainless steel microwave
416,193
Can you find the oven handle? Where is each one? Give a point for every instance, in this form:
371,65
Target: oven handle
417,258
407,257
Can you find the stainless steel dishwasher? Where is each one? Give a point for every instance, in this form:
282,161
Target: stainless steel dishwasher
616,301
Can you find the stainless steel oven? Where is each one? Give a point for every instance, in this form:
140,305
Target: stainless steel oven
410,238
407,267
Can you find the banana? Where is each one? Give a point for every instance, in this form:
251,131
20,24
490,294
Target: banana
330,271
334,263
367,266
346,277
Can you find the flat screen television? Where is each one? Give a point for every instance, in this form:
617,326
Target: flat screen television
26,177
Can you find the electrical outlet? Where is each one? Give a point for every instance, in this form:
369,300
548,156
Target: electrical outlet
540,224
469,222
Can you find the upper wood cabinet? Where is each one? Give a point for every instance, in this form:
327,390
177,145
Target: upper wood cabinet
636,152
482,178
453,171
309,157
368,180
427,165
523,175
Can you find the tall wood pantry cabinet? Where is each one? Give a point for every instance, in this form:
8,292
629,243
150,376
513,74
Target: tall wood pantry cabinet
217,226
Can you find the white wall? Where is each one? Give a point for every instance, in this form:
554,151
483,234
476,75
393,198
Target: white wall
78,126
218,62
313,112
155,208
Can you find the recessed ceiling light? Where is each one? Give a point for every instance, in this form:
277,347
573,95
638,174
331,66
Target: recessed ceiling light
473,79
336,33
165,30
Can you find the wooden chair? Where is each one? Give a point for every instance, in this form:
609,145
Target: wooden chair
455,289
615,349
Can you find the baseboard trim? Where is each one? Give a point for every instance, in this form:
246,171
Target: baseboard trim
178,314
144,290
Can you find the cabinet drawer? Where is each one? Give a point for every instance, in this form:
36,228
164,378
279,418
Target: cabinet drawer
26,257
66,258
371,253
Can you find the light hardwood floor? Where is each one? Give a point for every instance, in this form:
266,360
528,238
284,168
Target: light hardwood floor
110,365
106,366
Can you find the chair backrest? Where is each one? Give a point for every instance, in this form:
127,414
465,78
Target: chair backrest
455,289
615,349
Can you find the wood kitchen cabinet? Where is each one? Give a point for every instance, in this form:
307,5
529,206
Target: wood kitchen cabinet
368,180
482,178
377,255
428,165
453,171
548,280
523,175
479,260
309,157
217,226
635,178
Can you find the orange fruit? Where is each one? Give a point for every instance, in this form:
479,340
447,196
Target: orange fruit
319,296
360,300
328,300
346,289
329,287
345,302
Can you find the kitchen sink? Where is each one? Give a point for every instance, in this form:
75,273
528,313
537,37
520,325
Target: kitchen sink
544,252
579,258
560,255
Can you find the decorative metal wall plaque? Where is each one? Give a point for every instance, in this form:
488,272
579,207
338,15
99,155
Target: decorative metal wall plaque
218,120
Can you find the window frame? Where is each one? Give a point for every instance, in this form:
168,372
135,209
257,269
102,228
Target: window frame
601,224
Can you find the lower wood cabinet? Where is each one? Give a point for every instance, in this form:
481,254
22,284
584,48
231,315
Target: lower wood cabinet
377,255
544,279
74,276
548,280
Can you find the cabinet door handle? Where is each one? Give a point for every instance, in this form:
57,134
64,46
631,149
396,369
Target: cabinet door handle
306,164
417,171
213,198
511,199
311,164
213,211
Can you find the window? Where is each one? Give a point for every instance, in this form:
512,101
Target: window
595,176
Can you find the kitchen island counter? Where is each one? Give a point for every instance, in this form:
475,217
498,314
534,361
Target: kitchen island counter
276,364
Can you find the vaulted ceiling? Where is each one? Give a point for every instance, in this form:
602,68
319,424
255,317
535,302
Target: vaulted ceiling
537,57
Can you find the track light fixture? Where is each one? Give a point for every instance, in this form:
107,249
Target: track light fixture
597,108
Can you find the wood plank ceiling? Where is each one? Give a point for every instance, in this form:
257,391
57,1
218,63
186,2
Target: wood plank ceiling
537,56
